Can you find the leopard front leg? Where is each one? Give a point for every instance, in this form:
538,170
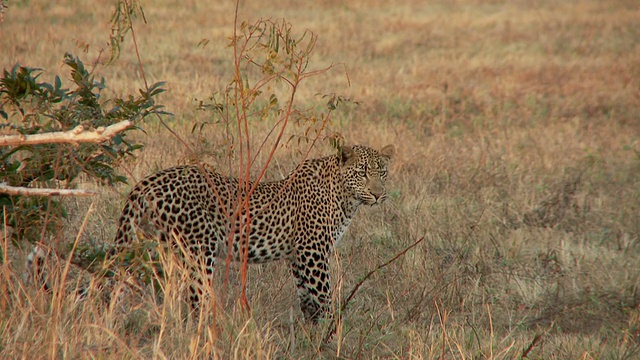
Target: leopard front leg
311,271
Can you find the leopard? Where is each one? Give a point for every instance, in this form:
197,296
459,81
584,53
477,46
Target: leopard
299,218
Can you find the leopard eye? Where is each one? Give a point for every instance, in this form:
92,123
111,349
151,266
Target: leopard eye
363,172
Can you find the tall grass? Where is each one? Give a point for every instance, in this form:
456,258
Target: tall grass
517,128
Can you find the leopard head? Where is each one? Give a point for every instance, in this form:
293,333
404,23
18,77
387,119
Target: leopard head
365,172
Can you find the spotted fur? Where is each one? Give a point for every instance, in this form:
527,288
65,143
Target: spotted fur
298,218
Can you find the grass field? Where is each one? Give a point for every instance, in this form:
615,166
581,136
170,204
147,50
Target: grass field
517,128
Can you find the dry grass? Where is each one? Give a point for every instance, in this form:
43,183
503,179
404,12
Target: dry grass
518,135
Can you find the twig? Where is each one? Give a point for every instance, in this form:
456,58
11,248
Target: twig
74,136
2,8
535,341
343,307
19,190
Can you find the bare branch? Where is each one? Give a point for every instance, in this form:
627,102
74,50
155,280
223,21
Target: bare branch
74,136
19,190
343,307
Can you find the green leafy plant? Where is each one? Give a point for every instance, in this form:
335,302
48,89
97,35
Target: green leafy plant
30,106
270,64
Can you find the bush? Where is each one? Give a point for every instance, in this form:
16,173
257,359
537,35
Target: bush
29,106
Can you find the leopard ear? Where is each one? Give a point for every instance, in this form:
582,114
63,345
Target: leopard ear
346,154
388,151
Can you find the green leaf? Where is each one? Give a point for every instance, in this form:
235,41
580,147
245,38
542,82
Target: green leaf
5,200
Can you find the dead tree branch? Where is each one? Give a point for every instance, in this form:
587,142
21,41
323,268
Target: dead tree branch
19,190
73,136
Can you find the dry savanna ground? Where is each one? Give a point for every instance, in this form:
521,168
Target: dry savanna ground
517,128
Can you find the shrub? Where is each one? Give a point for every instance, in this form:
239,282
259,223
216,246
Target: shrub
30,106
